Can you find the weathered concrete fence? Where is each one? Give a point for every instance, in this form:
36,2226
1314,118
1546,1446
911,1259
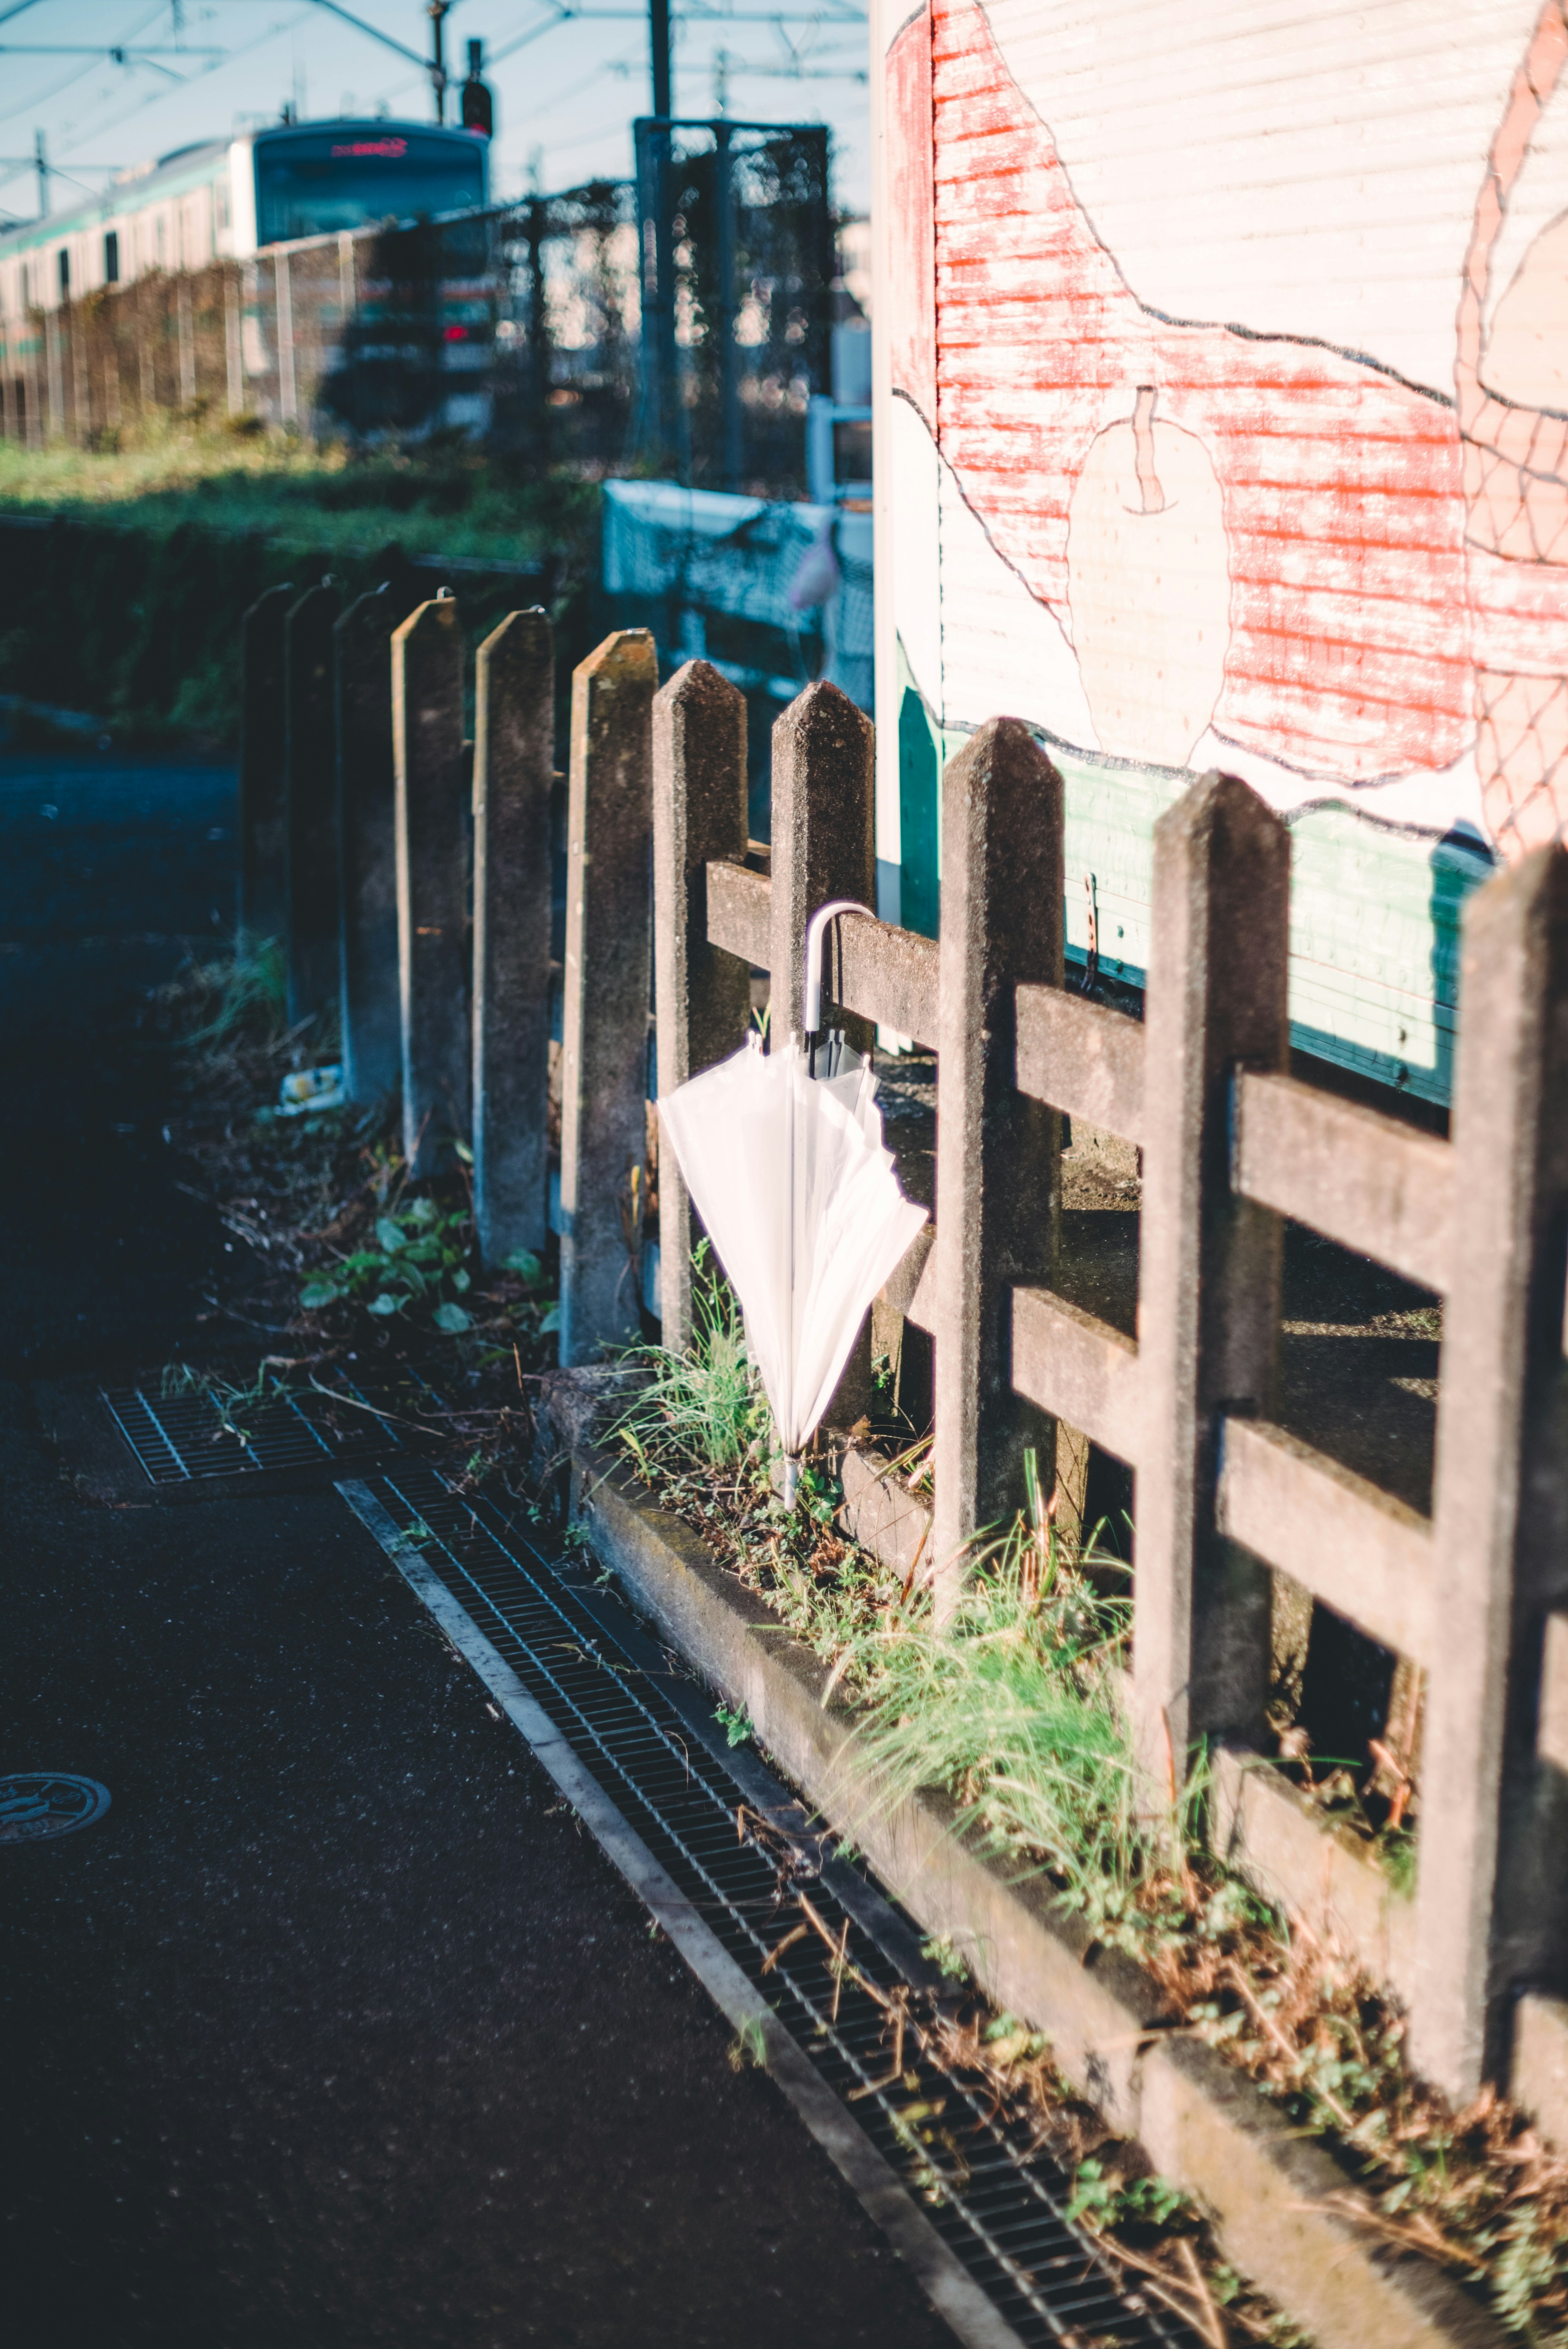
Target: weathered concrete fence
1232,1146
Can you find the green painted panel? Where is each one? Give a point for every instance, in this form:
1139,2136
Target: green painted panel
1375,911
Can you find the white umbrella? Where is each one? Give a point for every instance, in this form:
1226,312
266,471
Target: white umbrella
799,1198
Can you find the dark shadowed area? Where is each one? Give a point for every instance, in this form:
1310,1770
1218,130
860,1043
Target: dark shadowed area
336,2030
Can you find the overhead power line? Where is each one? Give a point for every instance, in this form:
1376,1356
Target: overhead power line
115,51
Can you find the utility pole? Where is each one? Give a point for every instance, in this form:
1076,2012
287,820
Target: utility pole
41,161
659,42
437,15
653,176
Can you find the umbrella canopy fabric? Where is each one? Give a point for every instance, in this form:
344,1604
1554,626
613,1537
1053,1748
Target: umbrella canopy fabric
801,1203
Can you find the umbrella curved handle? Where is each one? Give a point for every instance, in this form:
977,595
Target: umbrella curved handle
811,1005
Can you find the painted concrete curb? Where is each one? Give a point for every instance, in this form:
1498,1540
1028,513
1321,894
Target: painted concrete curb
1278,2202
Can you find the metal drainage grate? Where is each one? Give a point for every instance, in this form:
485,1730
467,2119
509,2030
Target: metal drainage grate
999,2205
182,1438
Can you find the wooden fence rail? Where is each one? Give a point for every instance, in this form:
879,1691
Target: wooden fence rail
666,896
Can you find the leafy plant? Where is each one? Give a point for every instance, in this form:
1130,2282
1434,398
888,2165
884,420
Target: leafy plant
737,1726
939,1951
1108,2199
533,1276
818,1494
418,1260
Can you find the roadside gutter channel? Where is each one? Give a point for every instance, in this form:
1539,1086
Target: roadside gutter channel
966,2309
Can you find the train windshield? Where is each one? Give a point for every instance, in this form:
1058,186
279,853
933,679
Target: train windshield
309,184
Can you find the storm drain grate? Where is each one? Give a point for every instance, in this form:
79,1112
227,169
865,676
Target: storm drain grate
999,2205
181,1438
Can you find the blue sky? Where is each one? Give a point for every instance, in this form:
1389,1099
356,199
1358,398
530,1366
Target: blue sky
565,94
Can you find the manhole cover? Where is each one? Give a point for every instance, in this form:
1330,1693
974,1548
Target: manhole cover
38,1803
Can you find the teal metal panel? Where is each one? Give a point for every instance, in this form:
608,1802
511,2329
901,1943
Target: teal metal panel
1375,910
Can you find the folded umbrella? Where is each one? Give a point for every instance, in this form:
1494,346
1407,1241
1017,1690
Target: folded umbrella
782,1153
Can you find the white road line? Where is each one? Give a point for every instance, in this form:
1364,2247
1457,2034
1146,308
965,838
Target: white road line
952,2291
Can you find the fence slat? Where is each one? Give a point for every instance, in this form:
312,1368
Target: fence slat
703,994
1209,1261
607,988
1552,1733
1360,1550
879,973
432,895
1374,1185
311,797
514,762
264,821
367,850
891,976
998,1170
1489,1903
740,913
1078,1368
911,1290
823,847
823,843
1081,1058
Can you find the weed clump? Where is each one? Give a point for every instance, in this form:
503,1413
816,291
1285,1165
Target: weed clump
1014,1706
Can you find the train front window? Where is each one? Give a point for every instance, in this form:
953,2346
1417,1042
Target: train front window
311,184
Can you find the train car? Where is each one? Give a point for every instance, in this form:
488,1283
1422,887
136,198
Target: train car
1221,420
236,197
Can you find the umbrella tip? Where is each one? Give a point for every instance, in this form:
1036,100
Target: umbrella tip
791,1480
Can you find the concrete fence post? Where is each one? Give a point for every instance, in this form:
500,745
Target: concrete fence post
605,1047
702,995
430,802
264,829
824,846
514,763
998,1153
1209,1264
1494,1811
367,850
310,758
823,839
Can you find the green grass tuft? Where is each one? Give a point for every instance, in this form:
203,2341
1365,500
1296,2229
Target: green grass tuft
1014,1708
706,1408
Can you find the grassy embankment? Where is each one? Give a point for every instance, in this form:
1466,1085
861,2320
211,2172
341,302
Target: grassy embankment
131,611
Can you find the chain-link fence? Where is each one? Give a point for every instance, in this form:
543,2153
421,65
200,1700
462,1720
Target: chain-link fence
524,325
738,269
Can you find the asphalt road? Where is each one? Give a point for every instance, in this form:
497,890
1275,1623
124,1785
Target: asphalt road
336,2030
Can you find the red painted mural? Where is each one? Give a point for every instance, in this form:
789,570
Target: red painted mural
1328,565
